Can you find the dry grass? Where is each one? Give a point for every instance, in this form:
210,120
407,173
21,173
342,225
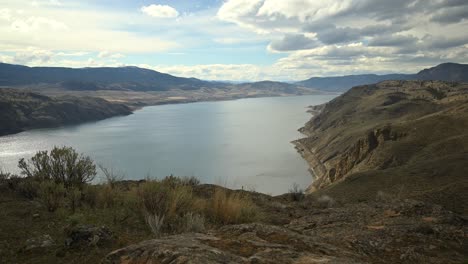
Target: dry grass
232,208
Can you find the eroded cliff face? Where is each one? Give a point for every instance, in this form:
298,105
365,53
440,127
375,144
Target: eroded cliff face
390,125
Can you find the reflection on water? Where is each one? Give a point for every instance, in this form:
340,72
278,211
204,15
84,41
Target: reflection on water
235,143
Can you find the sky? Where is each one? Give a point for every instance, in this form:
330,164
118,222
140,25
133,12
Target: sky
238,40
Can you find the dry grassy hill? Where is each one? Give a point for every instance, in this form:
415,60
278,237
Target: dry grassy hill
408,138
21,110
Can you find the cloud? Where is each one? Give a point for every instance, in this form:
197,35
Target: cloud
28,56
160,11
393,40
107,54
293,42
71,29
354,36
451,15
236,72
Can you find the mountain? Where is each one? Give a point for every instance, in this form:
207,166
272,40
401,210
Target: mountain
405,138
452,72
341,83
21,110
123,79
443,72
120,78
277,87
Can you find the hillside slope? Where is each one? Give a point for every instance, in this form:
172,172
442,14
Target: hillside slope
404,137
442,72
20,110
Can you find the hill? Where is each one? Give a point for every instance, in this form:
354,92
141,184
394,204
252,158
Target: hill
451,72
403,137
123,79
120,78
21,110
443,72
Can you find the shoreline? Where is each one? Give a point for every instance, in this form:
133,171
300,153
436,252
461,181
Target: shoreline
315,166
135,106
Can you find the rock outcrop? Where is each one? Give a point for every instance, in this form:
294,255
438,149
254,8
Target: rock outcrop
384,134
385,231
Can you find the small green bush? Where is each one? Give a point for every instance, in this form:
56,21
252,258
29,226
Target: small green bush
62,165
52,195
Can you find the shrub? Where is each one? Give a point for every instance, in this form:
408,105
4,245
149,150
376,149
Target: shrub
4,179
193,223
165,204
154,198
155,222
232,209
74,198
180,201
4,176
14,182
90,195
110,176
173,181
27,187
108,197
52,195
62,165
296,193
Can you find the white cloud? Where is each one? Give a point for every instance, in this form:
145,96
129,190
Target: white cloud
37,3
70,29
107,54
5,14
160,11
333,37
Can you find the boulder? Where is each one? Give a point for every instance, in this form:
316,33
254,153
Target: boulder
247,243
41,242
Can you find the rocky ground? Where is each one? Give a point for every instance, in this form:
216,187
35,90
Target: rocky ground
384,231
292,229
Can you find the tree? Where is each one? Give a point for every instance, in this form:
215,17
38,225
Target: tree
63,166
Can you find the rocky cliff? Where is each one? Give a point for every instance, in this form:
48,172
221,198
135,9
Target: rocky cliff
405,137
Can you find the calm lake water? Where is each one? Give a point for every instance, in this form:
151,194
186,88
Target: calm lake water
232,143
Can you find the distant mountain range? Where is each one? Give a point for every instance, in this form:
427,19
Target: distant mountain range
121,78
443,72
139,79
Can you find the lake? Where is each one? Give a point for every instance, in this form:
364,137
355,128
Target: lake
241,143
